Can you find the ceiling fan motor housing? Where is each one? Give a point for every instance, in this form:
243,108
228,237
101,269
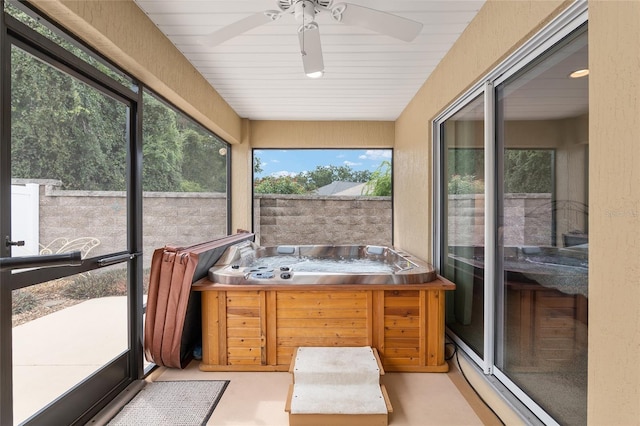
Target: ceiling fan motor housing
285,5
304,11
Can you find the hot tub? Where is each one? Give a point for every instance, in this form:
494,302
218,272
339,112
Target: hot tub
259,304
248,263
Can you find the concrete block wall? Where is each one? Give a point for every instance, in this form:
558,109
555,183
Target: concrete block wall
527,220
168,218
304,219
188,218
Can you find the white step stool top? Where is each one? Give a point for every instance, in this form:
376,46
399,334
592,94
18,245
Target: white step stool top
336,365
343,399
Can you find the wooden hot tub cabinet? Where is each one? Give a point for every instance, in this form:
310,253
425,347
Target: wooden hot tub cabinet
257,328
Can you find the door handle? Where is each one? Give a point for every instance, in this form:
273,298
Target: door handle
73,258
9,243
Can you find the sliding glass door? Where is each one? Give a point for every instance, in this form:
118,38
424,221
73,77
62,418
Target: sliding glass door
544,237
512,161
464,241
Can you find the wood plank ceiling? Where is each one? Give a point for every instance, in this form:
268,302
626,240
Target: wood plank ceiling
368,76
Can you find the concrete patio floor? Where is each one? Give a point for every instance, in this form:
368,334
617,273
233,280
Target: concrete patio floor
53,353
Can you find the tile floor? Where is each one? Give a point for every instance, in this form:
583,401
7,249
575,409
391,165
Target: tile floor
418,399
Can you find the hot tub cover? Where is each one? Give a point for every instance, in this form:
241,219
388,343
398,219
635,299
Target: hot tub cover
173,316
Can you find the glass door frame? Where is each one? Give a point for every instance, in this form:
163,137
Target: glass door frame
570,20
87,398
440,209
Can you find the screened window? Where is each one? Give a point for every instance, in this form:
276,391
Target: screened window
184,179
322,196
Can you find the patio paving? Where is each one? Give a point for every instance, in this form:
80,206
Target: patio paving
53,353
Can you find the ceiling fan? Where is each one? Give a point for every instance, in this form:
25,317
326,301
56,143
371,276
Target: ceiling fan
305,12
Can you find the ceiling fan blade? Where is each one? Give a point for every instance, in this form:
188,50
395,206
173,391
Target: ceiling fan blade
237,28
311,49
376,20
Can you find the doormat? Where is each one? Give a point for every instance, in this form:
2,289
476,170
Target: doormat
172,403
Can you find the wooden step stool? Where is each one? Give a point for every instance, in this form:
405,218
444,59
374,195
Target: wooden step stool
337,386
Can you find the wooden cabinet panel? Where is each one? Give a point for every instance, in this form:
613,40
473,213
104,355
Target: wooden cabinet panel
546,329
401,329
245,336
258,330
320,319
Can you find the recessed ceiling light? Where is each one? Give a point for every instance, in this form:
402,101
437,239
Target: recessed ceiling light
316,74
579,73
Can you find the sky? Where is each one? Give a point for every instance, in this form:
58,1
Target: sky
287,162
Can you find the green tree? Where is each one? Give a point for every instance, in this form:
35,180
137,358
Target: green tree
257,165
528,171
63,129
278,185
66,130
379,184
161,148
324,175
525,171
465,184
465,162
204,164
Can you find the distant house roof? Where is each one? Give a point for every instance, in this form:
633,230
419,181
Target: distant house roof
341,188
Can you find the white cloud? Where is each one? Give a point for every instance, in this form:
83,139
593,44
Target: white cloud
376,155
351,163
283,173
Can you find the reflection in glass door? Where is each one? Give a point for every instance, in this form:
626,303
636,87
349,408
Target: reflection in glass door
532,247
462,139
69,144
543,238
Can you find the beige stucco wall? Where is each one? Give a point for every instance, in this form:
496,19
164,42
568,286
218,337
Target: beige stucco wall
614,214
241,181
322,134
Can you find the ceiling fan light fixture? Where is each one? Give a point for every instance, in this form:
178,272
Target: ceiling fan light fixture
315,74
579,73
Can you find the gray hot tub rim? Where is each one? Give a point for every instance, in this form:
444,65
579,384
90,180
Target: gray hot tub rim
235,266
